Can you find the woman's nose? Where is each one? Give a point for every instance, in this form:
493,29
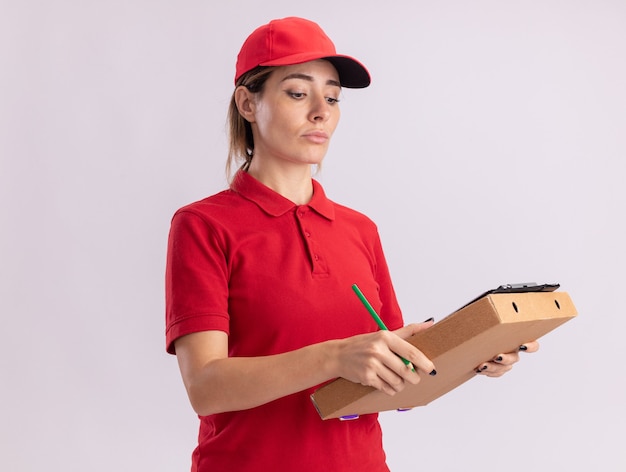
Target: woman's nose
320,109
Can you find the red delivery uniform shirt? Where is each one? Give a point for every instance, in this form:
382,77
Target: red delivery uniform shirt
277,276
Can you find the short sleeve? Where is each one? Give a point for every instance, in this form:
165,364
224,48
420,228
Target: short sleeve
196,278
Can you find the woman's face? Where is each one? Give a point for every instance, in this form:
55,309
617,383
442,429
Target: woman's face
295,115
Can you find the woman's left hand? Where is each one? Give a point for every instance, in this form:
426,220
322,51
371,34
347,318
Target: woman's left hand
502,363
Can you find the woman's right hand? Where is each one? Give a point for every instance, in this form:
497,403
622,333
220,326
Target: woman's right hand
373,359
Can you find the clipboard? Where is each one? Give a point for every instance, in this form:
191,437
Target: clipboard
497,321
517,288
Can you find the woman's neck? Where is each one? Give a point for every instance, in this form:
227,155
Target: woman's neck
291,181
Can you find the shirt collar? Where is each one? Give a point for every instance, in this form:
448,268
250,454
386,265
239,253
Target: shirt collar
275,204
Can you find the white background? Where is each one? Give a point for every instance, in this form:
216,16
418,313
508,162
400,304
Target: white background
489,149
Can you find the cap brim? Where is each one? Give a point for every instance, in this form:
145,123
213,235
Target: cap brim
352,74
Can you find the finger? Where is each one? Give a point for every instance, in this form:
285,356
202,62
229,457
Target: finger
513,357
409,352
529,347
387,380
493,369
404,368
496,370
389,357
500,360
394,383
506,359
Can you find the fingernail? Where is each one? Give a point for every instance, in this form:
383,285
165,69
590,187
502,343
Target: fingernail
480,369
523,348
429,319
433,372
499,359
349,417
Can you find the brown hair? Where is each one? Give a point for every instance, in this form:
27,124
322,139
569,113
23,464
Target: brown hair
240,140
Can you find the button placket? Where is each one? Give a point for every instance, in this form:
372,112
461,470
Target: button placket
313,249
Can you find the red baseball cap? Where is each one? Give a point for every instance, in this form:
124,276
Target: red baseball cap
292,40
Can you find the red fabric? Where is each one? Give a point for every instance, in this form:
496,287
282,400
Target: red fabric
293,40
276,277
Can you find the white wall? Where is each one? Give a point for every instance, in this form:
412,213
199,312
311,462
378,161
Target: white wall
489,149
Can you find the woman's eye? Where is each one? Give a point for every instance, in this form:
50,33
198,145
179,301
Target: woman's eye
296,94
332,100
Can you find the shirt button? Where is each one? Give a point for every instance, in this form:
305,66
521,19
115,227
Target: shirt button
307,234
317,258
302,211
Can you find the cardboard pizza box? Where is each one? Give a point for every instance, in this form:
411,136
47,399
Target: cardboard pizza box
493,324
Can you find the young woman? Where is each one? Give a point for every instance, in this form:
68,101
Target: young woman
260,309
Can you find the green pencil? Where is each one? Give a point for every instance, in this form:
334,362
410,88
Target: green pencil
374,315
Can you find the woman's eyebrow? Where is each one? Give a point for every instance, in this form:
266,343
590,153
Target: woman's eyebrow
309,78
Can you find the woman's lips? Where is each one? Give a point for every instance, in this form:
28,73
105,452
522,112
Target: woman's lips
318,137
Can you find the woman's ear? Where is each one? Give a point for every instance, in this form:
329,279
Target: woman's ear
245,101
